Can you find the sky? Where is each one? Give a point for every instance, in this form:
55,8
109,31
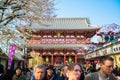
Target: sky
100,12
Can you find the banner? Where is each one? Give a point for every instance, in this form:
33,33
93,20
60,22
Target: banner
12,49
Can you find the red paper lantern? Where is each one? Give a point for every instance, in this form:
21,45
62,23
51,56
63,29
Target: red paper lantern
95,61
87,62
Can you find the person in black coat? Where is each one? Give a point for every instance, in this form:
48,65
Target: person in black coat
62,75
1,71
51,74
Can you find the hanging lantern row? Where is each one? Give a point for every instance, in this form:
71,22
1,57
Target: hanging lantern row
89,62
110,33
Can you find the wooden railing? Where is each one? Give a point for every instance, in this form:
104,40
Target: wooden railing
58,41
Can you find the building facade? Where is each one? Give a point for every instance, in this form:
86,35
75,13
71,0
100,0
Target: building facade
61,41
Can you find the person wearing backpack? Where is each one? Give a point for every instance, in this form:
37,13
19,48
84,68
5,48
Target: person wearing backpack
105,72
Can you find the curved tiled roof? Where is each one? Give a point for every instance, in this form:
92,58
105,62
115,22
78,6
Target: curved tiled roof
65,23
80,24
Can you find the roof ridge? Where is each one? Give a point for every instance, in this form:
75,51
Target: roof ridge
72,18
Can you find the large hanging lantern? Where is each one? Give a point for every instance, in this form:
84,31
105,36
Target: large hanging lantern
70,59
47,59
58,35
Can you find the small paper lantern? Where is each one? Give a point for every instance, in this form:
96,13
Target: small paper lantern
95,61
87,62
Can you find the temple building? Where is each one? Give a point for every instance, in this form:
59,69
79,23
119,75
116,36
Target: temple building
61,40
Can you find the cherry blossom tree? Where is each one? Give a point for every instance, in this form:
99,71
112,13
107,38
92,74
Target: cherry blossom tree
13,12
32,10
17,12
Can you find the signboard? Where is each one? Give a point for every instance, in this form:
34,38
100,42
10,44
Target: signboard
12,49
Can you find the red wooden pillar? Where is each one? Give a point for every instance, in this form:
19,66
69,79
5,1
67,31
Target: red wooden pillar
64,59
52,60
75,58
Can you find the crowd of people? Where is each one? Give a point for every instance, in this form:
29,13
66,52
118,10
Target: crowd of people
73,71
